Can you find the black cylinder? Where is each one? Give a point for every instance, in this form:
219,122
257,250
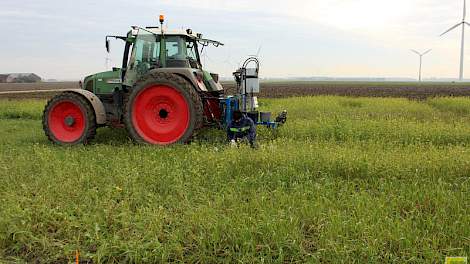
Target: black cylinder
254,115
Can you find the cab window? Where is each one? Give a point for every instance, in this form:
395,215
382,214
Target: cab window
181,52
175,48
145,56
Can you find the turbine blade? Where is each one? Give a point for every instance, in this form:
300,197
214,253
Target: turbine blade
464,9
466,23
429,50
416,52
259,51
450,29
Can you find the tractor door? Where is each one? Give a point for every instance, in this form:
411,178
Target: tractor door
144,57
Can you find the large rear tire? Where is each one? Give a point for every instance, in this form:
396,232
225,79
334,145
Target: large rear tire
69,119
163,109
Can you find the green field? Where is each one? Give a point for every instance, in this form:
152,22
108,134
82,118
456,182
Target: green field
345,180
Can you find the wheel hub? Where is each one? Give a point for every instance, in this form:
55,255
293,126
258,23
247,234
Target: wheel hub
66,120
160,114
163,113
69,121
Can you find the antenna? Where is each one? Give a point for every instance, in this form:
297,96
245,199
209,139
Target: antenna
462,47
420,60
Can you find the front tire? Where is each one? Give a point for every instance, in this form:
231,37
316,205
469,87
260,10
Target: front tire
69,119
163,109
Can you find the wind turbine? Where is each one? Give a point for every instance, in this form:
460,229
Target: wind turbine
420,60
107,61
257,53
462,48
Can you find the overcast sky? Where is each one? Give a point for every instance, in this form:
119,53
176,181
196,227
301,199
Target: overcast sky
64,39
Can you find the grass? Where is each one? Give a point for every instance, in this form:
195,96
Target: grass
24,109
346,180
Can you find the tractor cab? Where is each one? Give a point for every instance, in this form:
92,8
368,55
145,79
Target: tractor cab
152,48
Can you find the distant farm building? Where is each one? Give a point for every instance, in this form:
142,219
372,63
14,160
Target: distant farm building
3,78
19,78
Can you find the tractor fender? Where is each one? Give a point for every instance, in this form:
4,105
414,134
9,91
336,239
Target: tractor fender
98,107
187,74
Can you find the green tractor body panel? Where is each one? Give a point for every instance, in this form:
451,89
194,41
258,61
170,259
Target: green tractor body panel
103,82
212,83
106,82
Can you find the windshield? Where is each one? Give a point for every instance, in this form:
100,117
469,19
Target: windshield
146,52
181,52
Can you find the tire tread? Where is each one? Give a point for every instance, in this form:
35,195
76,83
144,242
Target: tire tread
174,81
90,129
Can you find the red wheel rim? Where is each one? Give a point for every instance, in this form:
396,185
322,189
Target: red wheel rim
160,115
66,121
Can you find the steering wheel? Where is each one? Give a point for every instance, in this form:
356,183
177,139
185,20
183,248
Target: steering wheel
142,68
154,63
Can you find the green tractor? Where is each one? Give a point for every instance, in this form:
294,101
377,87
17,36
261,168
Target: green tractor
161,94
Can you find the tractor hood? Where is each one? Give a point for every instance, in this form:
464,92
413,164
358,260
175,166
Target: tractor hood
103,82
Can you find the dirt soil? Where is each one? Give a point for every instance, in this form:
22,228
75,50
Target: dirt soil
284,89
361,89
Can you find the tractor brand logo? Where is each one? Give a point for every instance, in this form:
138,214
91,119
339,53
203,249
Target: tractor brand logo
114,81
456,260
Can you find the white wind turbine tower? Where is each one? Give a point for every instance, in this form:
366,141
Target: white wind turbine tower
420,60
107,60
462,48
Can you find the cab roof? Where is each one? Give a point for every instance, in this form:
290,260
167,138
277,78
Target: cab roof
178,32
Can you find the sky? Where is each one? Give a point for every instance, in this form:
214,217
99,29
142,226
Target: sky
64,39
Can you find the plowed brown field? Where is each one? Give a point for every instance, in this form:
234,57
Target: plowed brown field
361,89
290,89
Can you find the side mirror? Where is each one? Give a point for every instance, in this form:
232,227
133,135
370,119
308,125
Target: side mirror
107,45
